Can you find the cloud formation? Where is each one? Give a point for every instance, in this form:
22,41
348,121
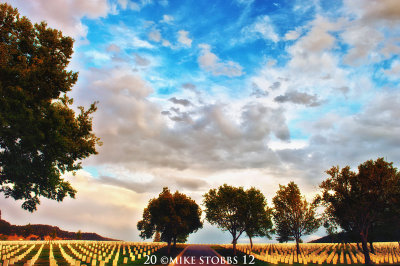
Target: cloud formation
212,63
183,38
167,19
65,15
298,98
261,28
183,102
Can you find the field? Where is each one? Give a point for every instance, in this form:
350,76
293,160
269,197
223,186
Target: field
79,252
337,254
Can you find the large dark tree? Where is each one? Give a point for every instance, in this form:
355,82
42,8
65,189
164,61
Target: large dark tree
258,221
359,202
40,136
174,215
293,215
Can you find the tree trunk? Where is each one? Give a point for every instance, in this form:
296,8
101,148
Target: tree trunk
175,242
234,246
371,246
365,248
251,243
169,246
298,246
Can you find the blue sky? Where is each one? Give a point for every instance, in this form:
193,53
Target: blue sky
195,94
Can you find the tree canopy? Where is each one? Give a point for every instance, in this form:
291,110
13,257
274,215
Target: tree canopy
293,215
41,137
359,202
175,216
226,208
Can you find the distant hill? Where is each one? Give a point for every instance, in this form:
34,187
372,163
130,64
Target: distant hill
336,238
344,237
43,231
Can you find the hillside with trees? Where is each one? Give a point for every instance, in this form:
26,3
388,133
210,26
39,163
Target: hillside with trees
43,232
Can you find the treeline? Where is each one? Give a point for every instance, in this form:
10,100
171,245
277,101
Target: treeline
363,205
42,231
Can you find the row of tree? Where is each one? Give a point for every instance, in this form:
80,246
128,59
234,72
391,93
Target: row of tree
357,202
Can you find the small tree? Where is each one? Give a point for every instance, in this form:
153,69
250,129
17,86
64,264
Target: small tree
79,235
258,216
293,215
174,215
360,201
28,230
40,136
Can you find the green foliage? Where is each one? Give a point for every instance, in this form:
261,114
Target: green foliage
40,136
258,215
226,208
235,210
174,215
360,202
293,215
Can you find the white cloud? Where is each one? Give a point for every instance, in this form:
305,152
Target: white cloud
125,38
377,20
166,43
355,138
155,35
284,145
132,5
363,50
184,39
212,63
64,15
98,57
376,10
313,62
136,42
168,19
123,3
292,35
318,39
261,28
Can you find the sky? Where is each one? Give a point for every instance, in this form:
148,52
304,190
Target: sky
195,94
